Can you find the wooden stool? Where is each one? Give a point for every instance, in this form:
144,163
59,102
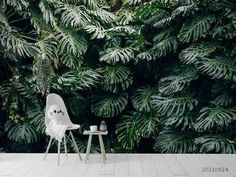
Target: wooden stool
99,133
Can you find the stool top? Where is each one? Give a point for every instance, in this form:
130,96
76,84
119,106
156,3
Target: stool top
88,132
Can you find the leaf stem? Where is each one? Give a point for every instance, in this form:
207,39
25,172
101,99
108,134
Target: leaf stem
16,20
10,15
30,38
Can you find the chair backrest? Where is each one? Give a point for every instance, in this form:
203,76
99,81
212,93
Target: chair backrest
55,99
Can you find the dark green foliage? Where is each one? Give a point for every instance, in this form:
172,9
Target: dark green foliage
10,39
215,144
142,99
116,78
109,106
184,122
76,80
215,118
164,47
196,28
71,42
171,141
161,71
173,106
195,51
218,68
172,84
116,55
35,116
133,126
20,132
127,130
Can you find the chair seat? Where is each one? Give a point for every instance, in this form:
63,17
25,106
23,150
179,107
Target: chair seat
73,127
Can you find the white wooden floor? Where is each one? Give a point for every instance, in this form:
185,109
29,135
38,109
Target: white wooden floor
117,165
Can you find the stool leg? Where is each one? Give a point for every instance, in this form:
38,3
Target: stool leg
58,152
48,147
65,145
75,145
102,147
88,147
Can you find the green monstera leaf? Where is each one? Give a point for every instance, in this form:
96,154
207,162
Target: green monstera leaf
115,55
215,144
176,83
142,98
215,118
173,106
109,106
21,132
196,28
134,125
171,141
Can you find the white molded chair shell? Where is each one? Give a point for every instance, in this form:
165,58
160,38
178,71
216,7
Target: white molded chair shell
55,99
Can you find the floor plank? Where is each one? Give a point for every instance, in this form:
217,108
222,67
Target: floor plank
121,166
174,165
188,166
230,159
135,163
80,169
198,165
67,165
8,163
27,163
161,166
94,166
117,165
50,171
37,167
211,163
48,167
221,163
108,168
147,166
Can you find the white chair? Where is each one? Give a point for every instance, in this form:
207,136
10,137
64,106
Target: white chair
54,99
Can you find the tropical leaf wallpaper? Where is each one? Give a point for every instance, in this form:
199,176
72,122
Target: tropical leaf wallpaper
160,73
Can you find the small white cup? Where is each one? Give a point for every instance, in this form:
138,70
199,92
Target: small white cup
93,128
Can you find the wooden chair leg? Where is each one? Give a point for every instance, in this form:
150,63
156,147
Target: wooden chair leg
48,147
75,145
58,152
65,145
102,147
88,147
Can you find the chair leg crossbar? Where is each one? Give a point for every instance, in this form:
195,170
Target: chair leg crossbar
66,137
